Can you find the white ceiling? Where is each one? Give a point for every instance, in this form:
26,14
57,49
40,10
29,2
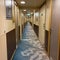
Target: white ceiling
30,3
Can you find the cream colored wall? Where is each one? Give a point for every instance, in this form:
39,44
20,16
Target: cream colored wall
21,22
2,17
18,22
3,49
31,19
41,25
46,10
37,18
21,19
37,22
34,20
5,27
9,25
48,14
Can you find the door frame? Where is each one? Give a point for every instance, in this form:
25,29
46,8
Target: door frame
58,43
49,33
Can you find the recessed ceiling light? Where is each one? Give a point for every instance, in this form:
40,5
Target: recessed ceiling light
25,10
22,2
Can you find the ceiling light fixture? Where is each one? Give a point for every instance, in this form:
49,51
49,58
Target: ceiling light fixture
25,10
22,2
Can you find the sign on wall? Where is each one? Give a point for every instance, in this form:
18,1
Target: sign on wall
8,9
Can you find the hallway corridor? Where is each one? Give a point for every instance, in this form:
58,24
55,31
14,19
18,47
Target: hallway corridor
29,29
29,47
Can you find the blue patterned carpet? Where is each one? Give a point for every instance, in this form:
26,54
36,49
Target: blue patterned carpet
29,47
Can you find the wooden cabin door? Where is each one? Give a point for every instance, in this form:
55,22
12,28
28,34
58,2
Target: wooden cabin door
54,29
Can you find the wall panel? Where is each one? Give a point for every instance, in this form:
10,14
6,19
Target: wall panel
42,25
3,48
54,29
